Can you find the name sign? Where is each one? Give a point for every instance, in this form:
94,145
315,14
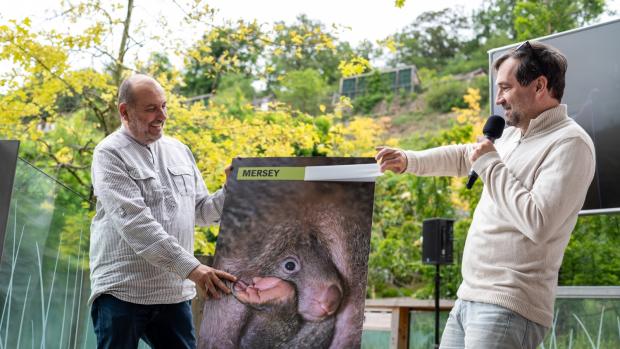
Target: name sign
271,173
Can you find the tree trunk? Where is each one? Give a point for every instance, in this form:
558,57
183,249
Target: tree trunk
113,120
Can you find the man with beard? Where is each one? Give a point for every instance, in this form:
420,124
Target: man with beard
150,194
535,182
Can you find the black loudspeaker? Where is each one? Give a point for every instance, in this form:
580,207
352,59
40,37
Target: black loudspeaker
437,239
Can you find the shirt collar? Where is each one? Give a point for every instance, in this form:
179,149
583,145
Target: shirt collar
125,132
546,119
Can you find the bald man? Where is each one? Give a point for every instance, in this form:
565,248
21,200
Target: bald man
150,195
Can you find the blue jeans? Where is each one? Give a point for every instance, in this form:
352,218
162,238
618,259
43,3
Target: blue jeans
121,325
475,325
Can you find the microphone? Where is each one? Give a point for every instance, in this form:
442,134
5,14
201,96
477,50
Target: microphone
492,130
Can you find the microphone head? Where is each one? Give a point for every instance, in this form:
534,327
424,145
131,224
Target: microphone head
494,127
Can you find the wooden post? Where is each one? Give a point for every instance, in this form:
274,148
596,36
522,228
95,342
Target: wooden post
400,328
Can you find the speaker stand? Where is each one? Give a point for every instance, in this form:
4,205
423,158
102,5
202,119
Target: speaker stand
437,279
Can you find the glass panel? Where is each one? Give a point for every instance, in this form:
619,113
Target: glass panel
579,323
585,323
421,331
375,339
422,328
390,79
361,85
348,86
404,77
44,276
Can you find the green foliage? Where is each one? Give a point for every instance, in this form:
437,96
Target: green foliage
495,18
526,19
238,82
481,83
233,47
407,118
377,88
474,55
401,204
432,39
159,65
306,44
304,90
592,256
534,19
441,40
445,95
235,92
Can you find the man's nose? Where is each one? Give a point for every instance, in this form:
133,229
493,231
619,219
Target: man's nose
499,100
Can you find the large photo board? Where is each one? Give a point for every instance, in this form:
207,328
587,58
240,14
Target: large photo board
300,251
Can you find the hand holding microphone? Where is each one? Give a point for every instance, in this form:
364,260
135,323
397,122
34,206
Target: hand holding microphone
492,130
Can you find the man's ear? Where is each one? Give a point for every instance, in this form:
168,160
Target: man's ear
541,84
122,110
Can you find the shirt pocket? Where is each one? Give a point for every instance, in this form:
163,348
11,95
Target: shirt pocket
183,179
149,185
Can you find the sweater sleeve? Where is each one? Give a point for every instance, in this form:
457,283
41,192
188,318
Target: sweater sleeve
449,160
560,185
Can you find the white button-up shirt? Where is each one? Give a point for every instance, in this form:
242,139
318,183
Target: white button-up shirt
149,199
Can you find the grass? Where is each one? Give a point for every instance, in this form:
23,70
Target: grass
581,342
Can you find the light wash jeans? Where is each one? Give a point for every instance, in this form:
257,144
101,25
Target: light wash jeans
475,325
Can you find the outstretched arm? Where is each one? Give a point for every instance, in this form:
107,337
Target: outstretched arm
450,160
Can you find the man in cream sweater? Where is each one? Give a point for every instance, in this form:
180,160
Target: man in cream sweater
535,181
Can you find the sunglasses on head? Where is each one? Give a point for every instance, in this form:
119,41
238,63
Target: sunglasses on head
527,48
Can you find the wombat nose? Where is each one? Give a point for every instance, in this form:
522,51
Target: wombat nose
321,303
330,299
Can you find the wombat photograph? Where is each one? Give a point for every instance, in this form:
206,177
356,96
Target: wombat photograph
300,252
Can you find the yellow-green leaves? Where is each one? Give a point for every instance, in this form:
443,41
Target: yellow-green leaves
390,44
354,66
471,114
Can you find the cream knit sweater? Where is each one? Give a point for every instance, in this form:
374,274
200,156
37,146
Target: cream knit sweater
534,186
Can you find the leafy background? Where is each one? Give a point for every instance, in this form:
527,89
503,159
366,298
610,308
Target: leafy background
60,110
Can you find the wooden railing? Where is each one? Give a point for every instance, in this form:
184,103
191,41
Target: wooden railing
400,309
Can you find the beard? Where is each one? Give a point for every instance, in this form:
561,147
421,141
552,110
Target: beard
142,132
514,118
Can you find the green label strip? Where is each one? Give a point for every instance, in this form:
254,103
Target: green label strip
271,173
